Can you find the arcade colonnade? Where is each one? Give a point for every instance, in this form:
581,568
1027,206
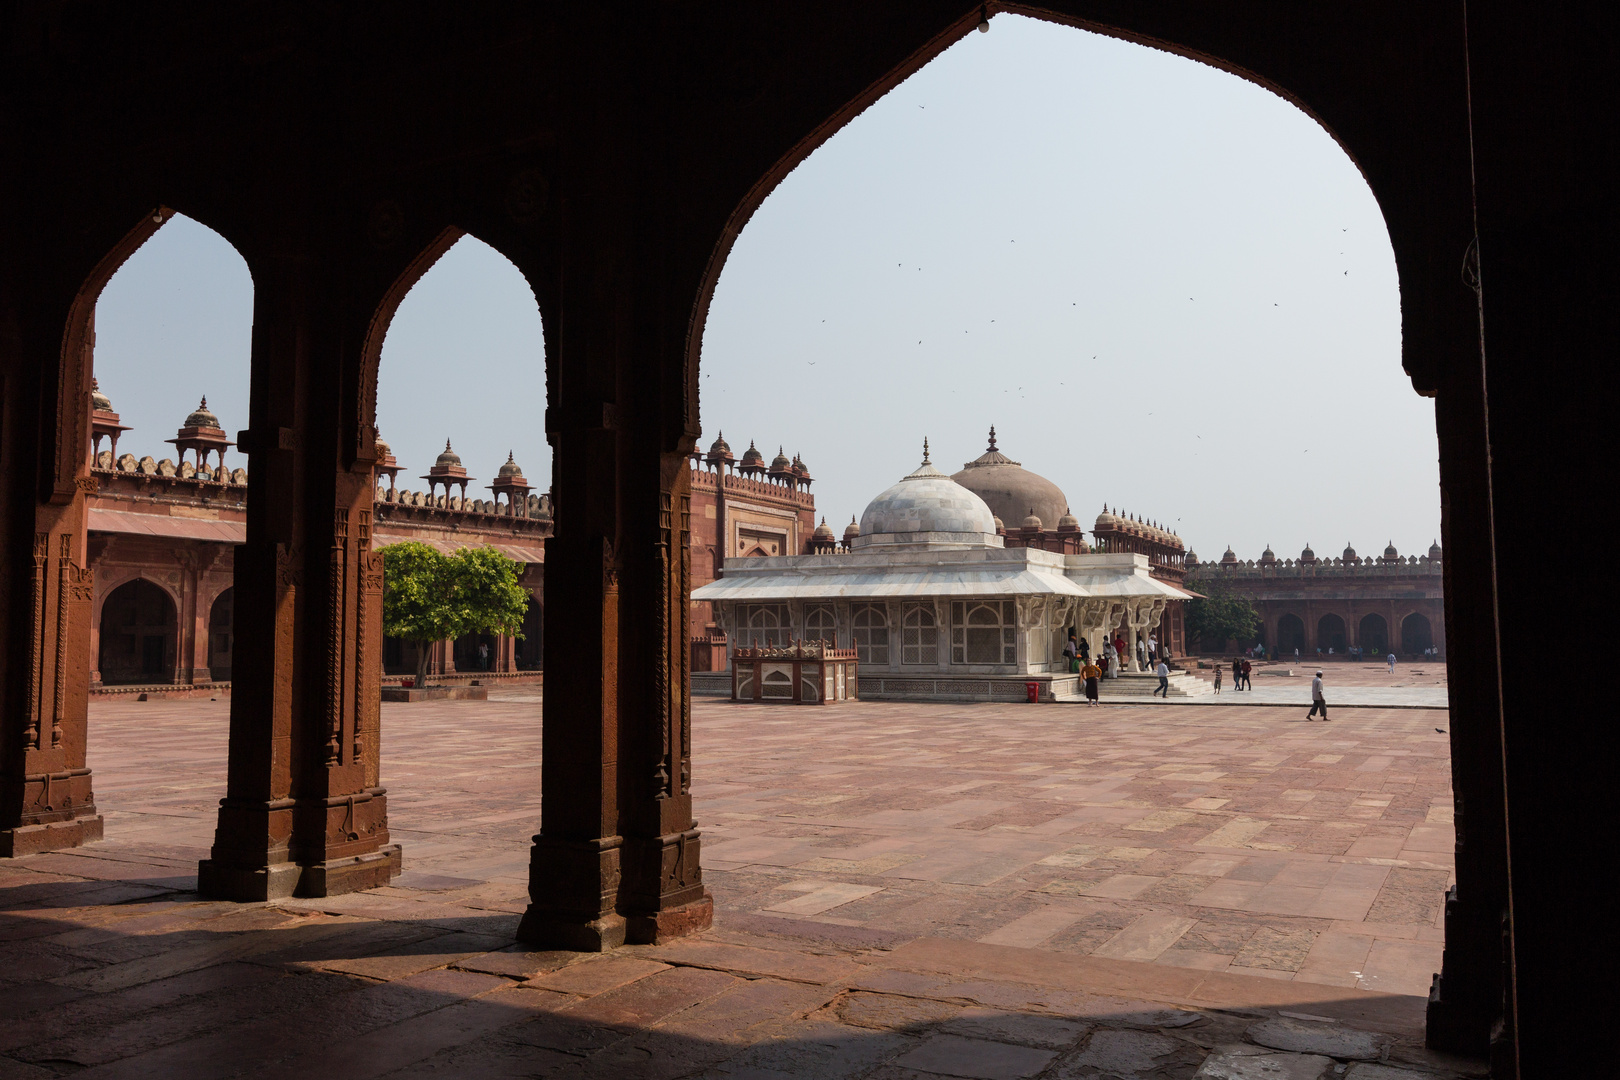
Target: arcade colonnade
614,155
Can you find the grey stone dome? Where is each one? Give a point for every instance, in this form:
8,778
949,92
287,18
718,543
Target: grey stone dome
449,457
1010,490
201,417
98,400
927,506
510,469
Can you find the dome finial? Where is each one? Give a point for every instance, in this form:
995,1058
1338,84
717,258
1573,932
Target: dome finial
992,436
925,450
446,442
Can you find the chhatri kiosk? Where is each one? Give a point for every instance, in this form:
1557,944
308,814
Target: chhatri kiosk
939,607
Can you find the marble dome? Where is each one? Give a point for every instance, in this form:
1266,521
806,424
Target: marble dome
927,506
1011,491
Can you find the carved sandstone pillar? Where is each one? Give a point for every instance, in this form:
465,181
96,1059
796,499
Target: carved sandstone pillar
46,586
303,812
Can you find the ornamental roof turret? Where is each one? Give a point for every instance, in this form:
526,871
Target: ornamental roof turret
823,532
719,450
1230,557
852,530
98,400
201,417
780,465
1032,520
449,457
1434,550
1068,522
1390,554
752,458
510,469
1307,555
1268,556
1105,520
1349,554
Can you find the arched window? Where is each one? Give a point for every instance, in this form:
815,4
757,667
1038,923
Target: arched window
819,625
919,639
984,632
872,634
766,624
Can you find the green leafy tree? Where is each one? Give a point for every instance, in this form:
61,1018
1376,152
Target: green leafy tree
1221,614
429,597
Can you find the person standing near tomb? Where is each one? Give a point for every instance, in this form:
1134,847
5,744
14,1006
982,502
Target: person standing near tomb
1248,676
1218,672
1163,671
1391,659
1318,701
1071,655
1237,673
1093,675
483,656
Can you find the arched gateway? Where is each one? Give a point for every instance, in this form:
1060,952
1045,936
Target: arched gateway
1473,133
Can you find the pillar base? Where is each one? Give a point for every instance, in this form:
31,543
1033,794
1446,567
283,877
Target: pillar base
280,881
355,874
51,836
671,923
550,930
246,884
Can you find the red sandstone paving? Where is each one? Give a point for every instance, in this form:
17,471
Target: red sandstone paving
902,890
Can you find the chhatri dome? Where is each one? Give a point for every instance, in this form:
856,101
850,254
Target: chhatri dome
927,507
201,417
1011,491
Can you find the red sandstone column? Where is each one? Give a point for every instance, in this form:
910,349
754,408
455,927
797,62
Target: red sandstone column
46,586
303,811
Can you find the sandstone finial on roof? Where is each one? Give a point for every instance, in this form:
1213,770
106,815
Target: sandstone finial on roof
992,436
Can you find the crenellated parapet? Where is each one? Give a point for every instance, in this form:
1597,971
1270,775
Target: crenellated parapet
707,479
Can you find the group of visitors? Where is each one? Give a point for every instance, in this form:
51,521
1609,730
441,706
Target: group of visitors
1241,671
1078,659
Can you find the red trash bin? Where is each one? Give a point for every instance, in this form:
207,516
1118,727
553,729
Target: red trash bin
1032,692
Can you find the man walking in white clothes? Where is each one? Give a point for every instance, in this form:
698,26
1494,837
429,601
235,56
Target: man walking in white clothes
1163,671
1317,700
1391,659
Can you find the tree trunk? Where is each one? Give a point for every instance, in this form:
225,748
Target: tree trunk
423,651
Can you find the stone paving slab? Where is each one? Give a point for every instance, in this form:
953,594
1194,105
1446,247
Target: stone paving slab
913,892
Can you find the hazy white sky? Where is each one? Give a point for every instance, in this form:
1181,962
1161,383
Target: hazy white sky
1168,289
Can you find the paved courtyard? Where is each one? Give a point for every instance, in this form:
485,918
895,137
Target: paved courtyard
902,891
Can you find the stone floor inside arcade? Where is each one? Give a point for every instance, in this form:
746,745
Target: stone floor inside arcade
902,891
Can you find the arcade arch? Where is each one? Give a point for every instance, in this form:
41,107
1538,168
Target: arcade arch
1330,634
1387,121
1290,635
139,629
1417,635
1372,634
